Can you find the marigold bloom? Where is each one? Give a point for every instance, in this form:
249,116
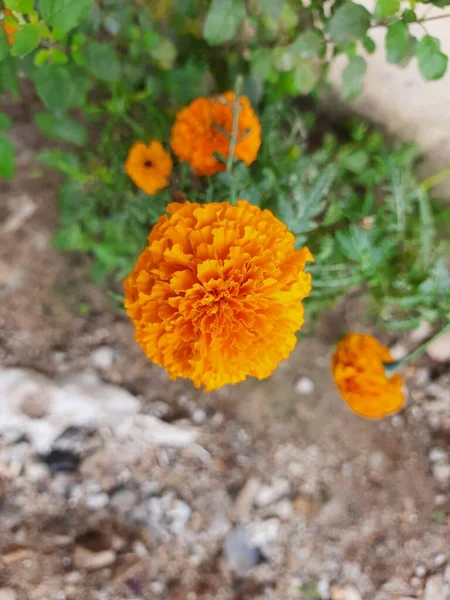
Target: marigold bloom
199,129
359,374
9,29
216,295
149,166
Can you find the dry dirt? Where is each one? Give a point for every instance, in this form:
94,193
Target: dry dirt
284,495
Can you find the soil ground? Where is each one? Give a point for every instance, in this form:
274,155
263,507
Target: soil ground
285,495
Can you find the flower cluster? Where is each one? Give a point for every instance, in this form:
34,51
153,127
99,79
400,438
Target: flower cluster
217,293
201,136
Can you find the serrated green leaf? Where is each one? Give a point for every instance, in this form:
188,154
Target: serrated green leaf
7,158
432,62
21,6
350,22
62,128
353,78
103,62
320,188
386,8
4,46
223,20
55,88
64,14
397,42
26,40
5,122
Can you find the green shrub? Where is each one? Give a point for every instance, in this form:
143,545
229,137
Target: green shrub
110,73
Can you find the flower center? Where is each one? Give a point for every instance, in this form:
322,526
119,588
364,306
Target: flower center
148,163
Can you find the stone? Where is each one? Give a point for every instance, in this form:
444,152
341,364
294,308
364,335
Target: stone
124,500
239,553
79,401
92,561
347,592
421,333
438,455
304,386
441,472
271,493
7,594
103,358
434,588
97,501
245,499
439,350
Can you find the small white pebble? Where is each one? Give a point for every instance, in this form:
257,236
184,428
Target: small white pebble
399,351
440,560
438,455
304,386
420,571
199,416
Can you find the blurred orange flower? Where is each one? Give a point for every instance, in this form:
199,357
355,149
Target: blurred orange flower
149,166
217,293
359,374
201,129
9,29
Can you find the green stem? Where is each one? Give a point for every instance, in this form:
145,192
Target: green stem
393,367
433,180
234,131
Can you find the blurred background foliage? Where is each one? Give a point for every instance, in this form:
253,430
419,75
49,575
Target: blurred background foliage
107,73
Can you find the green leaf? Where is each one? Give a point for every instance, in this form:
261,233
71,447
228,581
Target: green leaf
62,129
55,88
103,62
261,63
5,122
223,20
409,16
306,76
350,22
397,42
308,44
9,82
64,14
164,53
353,78
21,6
272,9
369,44
7,156
26,40
432,62
4,46
386,8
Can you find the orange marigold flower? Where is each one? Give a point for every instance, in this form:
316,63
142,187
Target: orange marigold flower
217,293
149,166
9,29
199,132
359,374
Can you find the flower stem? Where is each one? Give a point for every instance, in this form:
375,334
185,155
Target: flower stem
433,180
393,367
234,131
